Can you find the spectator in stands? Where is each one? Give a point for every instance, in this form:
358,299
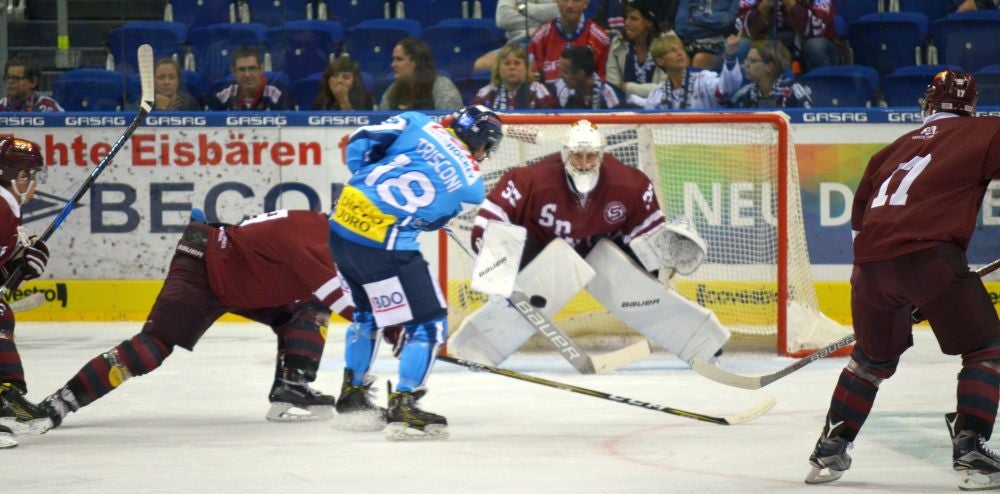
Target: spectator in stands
806,28
704,26
630,64
166,85
579,86
571,27
611,14
512,86
341,87
969,5
519,19
686,87
20,77
769,87
252,90
418,85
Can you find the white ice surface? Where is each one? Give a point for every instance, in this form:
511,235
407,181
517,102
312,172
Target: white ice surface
197,425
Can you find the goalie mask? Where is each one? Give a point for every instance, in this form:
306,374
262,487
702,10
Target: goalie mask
20,165
582,153
950,91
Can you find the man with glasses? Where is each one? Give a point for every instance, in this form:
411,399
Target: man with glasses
20,77
251,89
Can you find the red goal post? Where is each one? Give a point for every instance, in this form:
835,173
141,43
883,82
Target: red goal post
735,176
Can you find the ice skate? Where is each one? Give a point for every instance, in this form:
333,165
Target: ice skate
355,409
293,400
407,422
829,460
6,438
20,416
979,465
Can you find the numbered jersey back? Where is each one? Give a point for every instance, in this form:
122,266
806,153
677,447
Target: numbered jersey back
926,187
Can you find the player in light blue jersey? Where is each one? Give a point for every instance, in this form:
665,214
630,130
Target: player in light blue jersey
409,175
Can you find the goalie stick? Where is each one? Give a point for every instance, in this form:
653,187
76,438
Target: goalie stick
723,376
145,55
576,356
746,416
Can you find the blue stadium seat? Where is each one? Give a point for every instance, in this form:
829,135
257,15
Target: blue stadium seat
933,9
852,10
351,12
472,83
885,41
90,90
431,12
988,82
213,45
166,38
841,85
278,12
300,48
198,13
488,8
194,84
488,24
455,48
969,39
371,42
305,90
906,85
379,85
841,26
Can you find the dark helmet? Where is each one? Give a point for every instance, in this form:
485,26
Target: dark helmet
18,155
477,125
951,91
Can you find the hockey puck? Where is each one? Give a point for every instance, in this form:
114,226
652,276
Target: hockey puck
538,301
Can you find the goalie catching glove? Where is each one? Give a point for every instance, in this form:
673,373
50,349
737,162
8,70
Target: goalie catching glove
34,256
675,245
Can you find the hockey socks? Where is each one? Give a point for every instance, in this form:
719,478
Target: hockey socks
978,394
11,370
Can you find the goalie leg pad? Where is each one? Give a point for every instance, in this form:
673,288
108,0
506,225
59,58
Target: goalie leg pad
495,331
423,340
361,346
669,320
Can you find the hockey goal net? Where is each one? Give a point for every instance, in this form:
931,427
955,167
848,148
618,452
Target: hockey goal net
735,176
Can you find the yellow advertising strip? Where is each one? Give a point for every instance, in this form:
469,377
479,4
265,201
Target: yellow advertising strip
95,300
130,300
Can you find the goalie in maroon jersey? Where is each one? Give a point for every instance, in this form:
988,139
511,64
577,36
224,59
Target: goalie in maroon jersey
583,220
20,162
913,217
274,268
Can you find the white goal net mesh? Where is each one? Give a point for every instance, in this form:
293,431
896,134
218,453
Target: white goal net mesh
720,171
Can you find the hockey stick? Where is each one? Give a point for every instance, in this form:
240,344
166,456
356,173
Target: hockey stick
756,382
145,55
739,418
576,356
32,301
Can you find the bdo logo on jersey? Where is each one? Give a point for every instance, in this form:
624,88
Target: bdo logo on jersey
389,303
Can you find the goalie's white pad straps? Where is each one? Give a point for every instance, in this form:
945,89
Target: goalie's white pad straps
499,259
669,320
674,245
495,331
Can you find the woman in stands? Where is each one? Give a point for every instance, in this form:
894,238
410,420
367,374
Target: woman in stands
341,88
685,87
631,65
512,86
769,86
418,85
166,87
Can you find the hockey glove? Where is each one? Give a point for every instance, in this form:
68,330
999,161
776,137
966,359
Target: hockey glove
35,257
395,336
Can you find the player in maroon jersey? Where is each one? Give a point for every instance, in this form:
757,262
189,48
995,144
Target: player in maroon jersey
605,211
913,217
20,161
571,27
275,269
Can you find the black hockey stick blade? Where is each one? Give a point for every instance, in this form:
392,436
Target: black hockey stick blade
145,55
723,376
740,418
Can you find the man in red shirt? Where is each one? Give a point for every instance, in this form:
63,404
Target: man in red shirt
275,269
571,27
913,217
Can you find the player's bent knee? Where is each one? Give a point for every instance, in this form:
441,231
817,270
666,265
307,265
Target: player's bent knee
873,371
433,332
135,357
988,354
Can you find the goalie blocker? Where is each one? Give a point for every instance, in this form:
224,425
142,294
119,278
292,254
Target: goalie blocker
495,331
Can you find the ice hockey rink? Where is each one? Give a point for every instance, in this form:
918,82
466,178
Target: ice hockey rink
197,425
